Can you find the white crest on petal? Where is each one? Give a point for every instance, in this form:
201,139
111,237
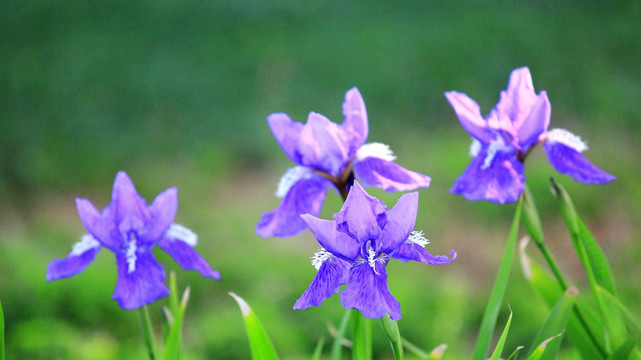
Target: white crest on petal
86,243
417,238
566,138
291,177
376,150
496,145
131,254
475,147
181,233
320,257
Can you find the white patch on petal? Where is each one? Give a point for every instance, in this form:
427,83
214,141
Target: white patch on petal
475,147
320,257
566,138
291,177
131,254
417,238
86,243
181,233
375,150
495,146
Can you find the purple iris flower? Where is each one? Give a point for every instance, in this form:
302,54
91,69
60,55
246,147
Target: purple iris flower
508,133
131,229
356,247
329,155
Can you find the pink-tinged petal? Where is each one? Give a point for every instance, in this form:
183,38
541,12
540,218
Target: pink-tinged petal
501,181
569,161
412,251
536,123
126,203
101,226
306,196
400,223
518,100
367,292
388,175
469,114
78,259
362,215
142,286
187,257
162,213
323,145
337,243
327,281
287,133
355,123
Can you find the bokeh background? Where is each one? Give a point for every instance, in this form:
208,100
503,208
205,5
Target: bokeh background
176,93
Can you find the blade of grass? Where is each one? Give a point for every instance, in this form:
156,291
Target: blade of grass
624,351
259,343
147,332
173,344
496,297
318,351
540,350
1,332
361,336
556,323
498,350
337,346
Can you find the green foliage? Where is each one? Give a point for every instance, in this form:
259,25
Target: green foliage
498,350
259,342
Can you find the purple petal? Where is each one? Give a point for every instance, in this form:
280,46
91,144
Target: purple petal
362,215
355,123
469,114
412,251
323,145
187,257
569,161
368,293
162,213
126,203
304,197
287,133
400,223
327,281
388,176
334,241
500,182
78,259
536,123
101,226
142,286
518,100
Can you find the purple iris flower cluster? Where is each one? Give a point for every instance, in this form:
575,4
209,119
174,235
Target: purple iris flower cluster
131,229
505,137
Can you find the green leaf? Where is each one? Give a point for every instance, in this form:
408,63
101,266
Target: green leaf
318,351
1,332
496,297
556,324
259,343
147,332
632,323
540,350
624,351
173,342
498,350
361,336
337,346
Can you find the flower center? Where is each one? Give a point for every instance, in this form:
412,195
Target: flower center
131,253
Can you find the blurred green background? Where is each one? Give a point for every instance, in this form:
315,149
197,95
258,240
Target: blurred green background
176,94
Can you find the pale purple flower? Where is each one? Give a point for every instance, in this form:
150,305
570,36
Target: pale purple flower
329,155
508,133
131,229
356,247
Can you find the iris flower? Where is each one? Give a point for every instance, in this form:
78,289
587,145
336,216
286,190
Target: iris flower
356,247
508,133
131,229
329,155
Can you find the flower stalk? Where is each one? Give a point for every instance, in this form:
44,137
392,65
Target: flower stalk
147,332
390,328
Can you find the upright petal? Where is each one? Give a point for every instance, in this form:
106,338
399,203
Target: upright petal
388,176
327,281
162,213
101,226
287,133
125,201
469,114
304,197
518,100
334,241
323,145
142,286
79,258
367,292
355,123
536,123
567,160
362,215
182,251
499,180
400,223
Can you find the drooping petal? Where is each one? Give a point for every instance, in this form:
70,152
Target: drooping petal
331,275
536,123
367,291
518,100
144,285
323,145
334,241
126,203
412,251
567,160
497,178
304,197
362,215
469,114
388,176
101,226
355,124
179,243
400,223
79,258
162,213
287,133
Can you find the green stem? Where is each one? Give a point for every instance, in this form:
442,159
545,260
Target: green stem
361,336
393,334
340,334
147,333
1,332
